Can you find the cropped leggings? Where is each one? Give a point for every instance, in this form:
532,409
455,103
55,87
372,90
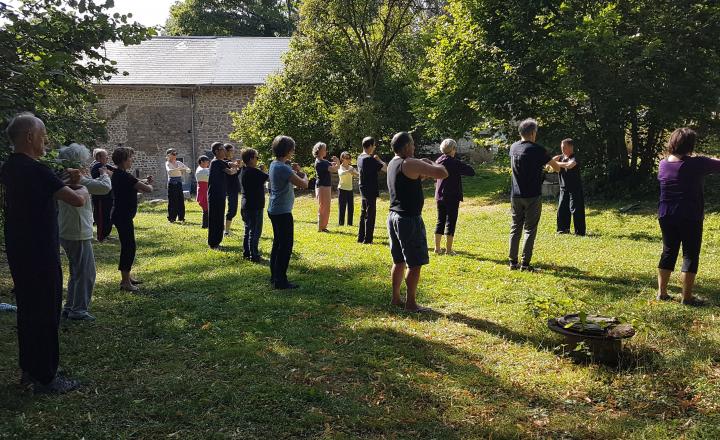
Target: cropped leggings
676,233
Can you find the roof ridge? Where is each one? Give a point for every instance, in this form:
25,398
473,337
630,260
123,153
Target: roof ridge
213,37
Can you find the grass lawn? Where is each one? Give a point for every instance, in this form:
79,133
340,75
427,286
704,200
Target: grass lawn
209,351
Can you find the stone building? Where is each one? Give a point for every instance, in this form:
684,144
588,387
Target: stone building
177,92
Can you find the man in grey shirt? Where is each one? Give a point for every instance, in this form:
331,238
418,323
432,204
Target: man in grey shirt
527,160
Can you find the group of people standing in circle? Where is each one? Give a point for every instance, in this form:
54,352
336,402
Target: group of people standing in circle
46,210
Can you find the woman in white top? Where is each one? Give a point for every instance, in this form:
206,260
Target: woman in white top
76,233
345,188
176,200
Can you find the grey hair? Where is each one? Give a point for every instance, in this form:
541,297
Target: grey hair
528,127
317,147
75,154
98,151
447,146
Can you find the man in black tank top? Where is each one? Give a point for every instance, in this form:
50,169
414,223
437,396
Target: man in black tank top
408,238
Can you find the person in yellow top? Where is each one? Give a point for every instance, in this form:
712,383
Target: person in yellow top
345,188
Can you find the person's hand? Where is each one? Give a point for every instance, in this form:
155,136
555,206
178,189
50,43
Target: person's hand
335,159
377,158
149,180
106,170
296,167
558,157
74,176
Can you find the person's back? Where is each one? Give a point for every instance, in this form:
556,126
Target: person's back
527,160
682,184
406,195
252,187
217,182
125,203
368,167
282,195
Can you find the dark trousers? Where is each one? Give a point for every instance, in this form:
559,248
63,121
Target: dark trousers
347,202
571,203
678,232
253,219
283,231
204,219
525,219
102,207
216,220
38,291
232,205
447,212
126,234
176,202
368,208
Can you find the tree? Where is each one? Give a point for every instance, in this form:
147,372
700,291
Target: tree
616,75
350,72
50,54
264,18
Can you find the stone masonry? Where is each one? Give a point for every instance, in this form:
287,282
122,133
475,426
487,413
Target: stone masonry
153,119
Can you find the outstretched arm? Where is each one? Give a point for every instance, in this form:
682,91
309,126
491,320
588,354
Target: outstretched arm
414,168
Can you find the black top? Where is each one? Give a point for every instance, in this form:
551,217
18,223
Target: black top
31,219
125,204
253,188
323,173
450,188
527,160
217,185
570,179
406,195
368,167
233,182
95,173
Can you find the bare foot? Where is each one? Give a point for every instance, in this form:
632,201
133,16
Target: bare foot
662,297
397,303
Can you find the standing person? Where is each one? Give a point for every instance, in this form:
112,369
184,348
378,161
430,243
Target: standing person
217,192
282,197
369,164
408,239
102,204
681,210
76,233
32,247
527,160
126,187
233,188
202,176
449,194
323,185
252,184
176,200
345,189
572,199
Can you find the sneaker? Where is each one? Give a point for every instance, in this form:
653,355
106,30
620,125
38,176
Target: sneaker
7,308
527,268
286,286
59,385
256,259
514,266
564,231
80,317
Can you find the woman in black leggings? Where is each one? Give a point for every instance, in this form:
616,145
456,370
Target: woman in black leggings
681,210
125,188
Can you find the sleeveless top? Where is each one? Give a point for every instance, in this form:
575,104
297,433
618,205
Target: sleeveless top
406,195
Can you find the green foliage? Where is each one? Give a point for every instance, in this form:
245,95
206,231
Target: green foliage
50,53
351,72
616,76
264,18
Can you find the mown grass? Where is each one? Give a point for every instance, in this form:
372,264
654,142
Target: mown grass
209,351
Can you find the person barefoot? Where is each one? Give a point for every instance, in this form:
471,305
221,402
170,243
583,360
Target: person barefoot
408,238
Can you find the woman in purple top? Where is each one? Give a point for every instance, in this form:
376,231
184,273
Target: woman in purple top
681,210
449,194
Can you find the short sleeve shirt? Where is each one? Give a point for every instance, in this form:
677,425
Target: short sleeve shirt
252,184
682,186
31,222
125,203
217,184
527,160
368,167
282,194
322,168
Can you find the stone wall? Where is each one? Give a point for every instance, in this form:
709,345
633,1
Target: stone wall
153,119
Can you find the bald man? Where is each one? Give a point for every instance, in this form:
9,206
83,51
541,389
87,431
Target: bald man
32,246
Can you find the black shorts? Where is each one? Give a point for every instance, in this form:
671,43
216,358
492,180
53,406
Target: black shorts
408,240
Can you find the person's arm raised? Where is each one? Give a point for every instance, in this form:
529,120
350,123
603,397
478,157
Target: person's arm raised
555,165
334,165
298,178
414,168
382,164
75,195
144,185
567,165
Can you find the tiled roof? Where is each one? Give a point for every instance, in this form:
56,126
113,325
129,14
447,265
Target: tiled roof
190,61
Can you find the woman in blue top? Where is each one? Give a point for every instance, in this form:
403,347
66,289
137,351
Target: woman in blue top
681,210
282,198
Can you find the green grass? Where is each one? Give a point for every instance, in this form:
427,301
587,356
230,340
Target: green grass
209,351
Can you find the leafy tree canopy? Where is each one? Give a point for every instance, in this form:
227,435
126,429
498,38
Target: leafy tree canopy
265,18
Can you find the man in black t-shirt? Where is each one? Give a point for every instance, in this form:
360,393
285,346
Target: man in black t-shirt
369,165
32,247
217,192
527,160
572,199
